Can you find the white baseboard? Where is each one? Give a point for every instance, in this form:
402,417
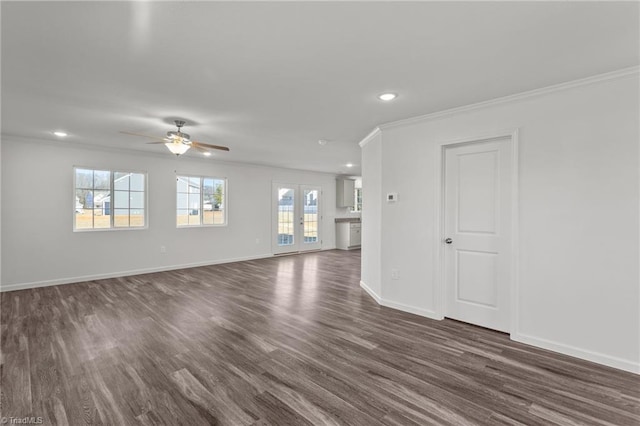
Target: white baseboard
599,358
371,292
619,363
83,278
411,309
399,306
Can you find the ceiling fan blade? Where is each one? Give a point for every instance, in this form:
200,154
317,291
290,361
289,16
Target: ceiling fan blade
153,143
140,134
199,148
206,145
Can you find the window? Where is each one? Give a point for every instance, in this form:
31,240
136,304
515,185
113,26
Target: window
357,205
106,199
200,201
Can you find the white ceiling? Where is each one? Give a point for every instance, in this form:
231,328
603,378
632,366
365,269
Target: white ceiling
271,79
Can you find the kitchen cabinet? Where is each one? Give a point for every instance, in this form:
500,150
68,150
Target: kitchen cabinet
354,235
348,235
345,192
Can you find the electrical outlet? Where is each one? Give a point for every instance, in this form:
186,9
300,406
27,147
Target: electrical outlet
163,249
257,240
395,274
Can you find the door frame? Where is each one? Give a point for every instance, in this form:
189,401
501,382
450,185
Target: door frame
439,270
299,188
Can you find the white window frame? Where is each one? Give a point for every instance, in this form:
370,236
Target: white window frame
224,200
111,227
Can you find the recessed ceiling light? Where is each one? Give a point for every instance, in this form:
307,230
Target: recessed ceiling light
60,134
387,96
322,141
206,154
349,165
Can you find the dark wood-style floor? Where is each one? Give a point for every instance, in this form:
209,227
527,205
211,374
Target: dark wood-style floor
289,340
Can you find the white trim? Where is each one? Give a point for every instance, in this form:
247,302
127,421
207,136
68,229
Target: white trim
438,273
309,247
400,306
625,72
619,363
224,201
275,249
299,246
375,132
514,312
411,309
112,189
371,292
600,358
83,278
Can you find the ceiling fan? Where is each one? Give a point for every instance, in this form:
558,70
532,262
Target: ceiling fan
179,142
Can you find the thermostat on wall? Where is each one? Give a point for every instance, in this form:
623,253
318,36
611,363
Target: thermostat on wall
392,197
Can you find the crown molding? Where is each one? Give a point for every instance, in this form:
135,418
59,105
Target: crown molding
614,75
375,132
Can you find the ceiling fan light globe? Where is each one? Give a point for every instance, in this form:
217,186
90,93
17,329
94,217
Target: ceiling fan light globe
177,148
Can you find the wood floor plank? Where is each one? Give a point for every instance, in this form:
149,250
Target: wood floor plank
221,408
287,340
317,404
279,412
16,385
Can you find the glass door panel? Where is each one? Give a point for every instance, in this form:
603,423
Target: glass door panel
286,217
310,223
297,218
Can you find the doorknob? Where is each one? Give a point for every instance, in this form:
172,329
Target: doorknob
448,241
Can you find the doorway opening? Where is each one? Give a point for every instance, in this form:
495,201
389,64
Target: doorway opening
297,218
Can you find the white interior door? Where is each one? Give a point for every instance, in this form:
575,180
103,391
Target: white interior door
477,227
297,218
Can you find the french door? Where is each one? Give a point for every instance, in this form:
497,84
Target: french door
296,218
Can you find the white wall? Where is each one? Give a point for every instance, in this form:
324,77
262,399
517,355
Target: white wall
0,209
371,215
39,246
578,223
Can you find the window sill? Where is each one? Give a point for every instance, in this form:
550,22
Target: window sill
135,228
217,225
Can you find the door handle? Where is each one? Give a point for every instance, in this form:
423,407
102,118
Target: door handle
448,241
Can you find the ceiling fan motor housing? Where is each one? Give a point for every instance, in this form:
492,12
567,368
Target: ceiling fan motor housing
178,135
